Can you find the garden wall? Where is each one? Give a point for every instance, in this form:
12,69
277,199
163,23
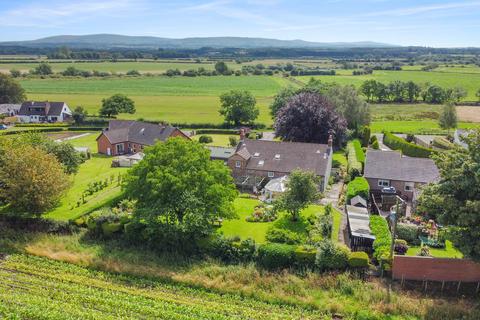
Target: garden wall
435,269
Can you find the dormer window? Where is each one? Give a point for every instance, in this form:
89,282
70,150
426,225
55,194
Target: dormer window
256,155
260,163
142,131
277,157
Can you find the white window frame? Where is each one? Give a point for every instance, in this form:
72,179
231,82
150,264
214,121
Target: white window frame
410,186
271,174
383,183
238,164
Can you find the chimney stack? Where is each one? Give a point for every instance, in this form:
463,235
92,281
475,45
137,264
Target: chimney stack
242,135
330,141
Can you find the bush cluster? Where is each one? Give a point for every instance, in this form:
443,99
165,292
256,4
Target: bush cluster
331,256
358,187
277,235
205,139
407,148
408,233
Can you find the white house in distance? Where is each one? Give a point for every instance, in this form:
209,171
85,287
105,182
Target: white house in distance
44,111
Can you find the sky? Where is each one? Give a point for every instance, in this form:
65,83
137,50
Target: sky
432,23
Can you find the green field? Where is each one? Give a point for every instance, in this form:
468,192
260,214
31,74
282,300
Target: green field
37,288
470,81
416,127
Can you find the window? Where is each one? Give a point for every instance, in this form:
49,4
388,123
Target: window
384,183
119,148
271,174
261,163
238,164
409,186
277,157
256,155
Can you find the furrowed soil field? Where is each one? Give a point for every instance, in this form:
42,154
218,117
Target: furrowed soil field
29,285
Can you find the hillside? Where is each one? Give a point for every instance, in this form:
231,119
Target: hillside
114,41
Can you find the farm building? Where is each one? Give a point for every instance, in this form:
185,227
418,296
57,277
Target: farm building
129,137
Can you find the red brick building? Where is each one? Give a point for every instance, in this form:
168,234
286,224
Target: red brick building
127,137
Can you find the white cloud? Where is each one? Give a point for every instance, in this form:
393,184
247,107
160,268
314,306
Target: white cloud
56,14
424,9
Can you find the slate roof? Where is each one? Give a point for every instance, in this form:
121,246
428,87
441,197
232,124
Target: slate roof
49,108
284,156
220,152
143,133
7,108
391,165
358,201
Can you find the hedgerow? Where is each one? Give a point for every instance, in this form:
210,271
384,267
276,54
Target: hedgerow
407,148
383,238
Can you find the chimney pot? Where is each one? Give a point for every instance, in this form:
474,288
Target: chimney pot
330,141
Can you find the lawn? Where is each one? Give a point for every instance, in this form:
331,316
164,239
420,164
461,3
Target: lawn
339,156
219,140
88,141
258,230
98,168
448,252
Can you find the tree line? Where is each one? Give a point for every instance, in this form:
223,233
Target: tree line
411,92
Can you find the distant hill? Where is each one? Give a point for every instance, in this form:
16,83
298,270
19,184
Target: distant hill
108,41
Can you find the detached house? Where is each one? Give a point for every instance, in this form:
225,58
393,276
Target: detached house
384,169
44,111
260,160
128,137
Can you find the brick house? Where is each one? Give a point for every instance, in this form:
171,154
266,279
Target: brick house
262,160
44,111
127,137
405,174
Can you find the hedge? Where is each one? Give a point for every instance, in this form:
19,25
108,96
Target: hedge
60,124
305,256
358,260
216,131
383,238
32,130
355,167
358,187
274,256
407,148
442,143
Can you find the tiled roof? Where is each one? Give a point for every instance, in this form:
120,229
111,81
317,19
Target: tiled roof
137,132
285,156
48,108
391,165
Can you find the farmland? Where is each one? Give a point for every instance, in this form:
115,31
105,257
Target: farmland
29,285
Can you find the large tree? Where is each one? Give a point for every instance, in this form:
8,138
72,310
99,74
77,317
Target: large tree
10,90
32,180
455,199
221,67
42,69
448,117
310,117
238,107
302,190
180,190
79,115
280,100
118,103
346,101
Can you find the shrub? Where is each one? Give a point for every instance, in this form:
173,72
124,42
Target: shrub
358,260
205,139
282,236
358,187
331,256
366,132
408,232
274,256
109,228
375,145
230,250
442,143
400,247
263,214
373,139
383,238
407,148
305,256
233,141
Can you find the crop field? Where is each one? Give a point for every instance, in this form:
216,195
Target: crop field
29,285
